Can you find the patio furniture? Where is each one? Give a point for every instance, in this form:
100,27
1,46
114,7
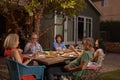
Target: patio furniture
53,61
50,59
93,71
17,69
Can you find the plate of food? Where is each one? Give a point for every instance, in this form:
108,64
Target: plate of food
49,56
67,55
67,50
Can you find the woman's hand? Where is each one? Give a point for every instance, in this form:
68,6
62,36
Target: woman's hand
35,55
67,68
20,50
72,47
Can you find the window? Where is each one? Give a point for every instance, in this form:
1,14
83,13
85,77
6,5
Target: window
74,29
70,29
80,30
88,27
104,3
84,27
58,25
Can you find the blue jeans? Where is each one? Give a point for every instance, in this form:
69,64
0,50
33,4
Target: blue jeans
53,71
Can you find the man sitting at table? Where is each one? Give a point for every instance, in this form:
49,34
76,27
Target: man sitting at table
77,67
33,46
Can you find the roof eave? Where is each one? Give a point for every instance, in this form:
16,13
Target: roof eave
95,7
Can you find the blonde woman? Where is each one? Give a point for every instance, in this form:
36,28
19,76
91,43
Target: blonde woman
11,51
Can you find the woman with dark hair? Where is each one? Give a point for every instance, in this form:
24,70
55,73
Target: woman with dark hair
58,43
55,69
98,54
99,44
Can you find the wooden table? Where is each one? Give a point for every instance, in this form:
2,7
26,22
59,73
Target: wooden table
51,60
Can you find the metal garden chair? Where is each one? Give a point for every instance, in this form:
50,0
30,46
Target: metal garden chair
93,71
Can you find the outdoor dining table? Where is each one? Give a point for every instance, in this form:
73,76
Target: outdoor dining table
54,63
49,60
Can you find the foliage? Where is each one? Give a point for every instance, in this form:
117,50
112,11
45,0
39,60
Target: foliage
69,7
36,9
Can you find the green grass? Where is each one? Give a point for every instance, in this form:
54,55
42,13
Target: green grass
113,75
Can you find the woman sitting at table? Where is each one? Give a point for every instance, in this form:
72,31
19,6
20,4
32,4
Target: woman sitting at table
98,54
33,46
11,51
77,67
59,46
78,51
58,43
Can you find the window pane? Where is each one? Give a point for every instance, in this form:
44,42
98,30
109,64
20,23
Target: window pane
59,24
104,3
59,19
80,28
88,27
80,19
90,30
59,29
70,29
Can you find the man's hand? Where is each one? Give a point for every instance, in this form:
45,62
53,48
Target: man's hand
31,46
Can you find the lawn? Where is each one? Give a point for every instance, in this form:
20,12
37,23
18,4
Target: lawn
113,75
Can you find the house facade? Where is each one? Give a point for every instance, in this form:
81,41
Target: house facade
110,9
73,29
110,19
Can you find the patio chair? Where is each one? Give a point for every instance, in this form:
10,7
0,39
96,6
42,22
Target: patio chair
17,69
93,71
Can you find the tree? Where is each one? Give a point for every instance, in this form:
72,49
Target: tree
36,8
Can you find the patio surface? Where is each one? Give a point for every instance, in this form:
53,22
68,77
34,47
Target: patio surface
111,62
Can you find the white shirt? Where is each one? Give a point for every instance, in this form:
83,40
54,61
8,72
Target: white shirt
34,49
99,60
